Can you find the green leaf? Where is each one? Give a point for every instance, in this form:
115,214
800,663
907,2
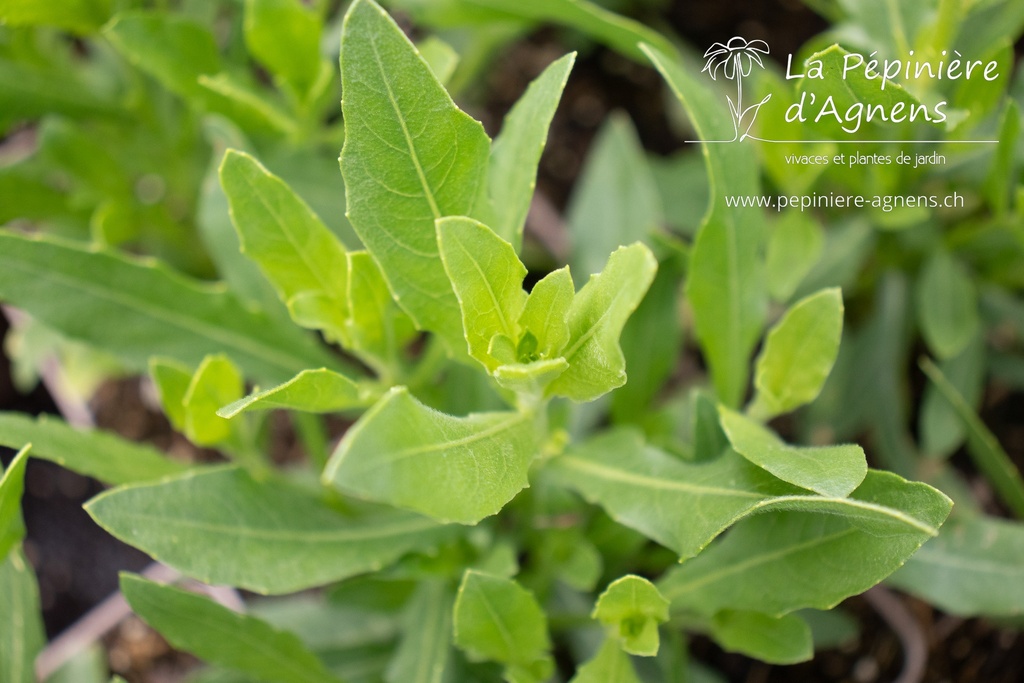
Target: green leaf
684,506
423,654
829,470
1000,183
725,283
173,49
975,567
633,608
87,666
284,36
247,104
218,635
440,56
459,469
596,317
794,247
78,16
517,149
610,665
546,313
776,640
137,309
947,305
377,328
172,380
798,354
311,391
12,485
410,157
982,445
941,430
616,201
530,378
216,383
98,454
499,620
487,277
278,230
617,32
753,567
221,526
21,629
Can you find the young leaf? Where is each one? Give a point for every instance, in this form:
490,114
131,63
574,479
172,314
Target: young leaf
633,608
147,309
517,149
12,485
725,284
218,635
610,665
440,56
776,640
596,317
172,380
216,383
975,567
97,454
616,201
21,629
546,313
798,354
794,247
753,567
224,527
424,652
278,230
947,305
458,469
499,620
530,378
410,157
173,49
311,391
284,36
377,328
829,470
684,506
487,277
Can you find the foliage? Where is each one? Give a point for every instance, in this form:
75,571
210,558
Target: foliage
524,462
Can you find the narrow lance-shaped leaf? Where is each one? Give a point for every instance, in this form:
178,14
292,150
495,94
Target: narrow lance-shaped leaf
975,567
284,35
795,245
458,469
12,485
684,506
137,309
215,383
410,157
94,453
423,653
517,149
499,620
291,245
633,608
487,277
222,526
828,470
725,284
753,567
616,200
947,305
218,635
546,312
776,640
311,391
21,629
596,317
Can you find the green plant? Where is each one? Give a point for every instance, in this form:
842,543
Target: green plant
504,497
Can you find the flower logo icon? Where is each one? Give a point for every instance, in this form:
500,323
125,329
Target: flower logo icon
735,60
